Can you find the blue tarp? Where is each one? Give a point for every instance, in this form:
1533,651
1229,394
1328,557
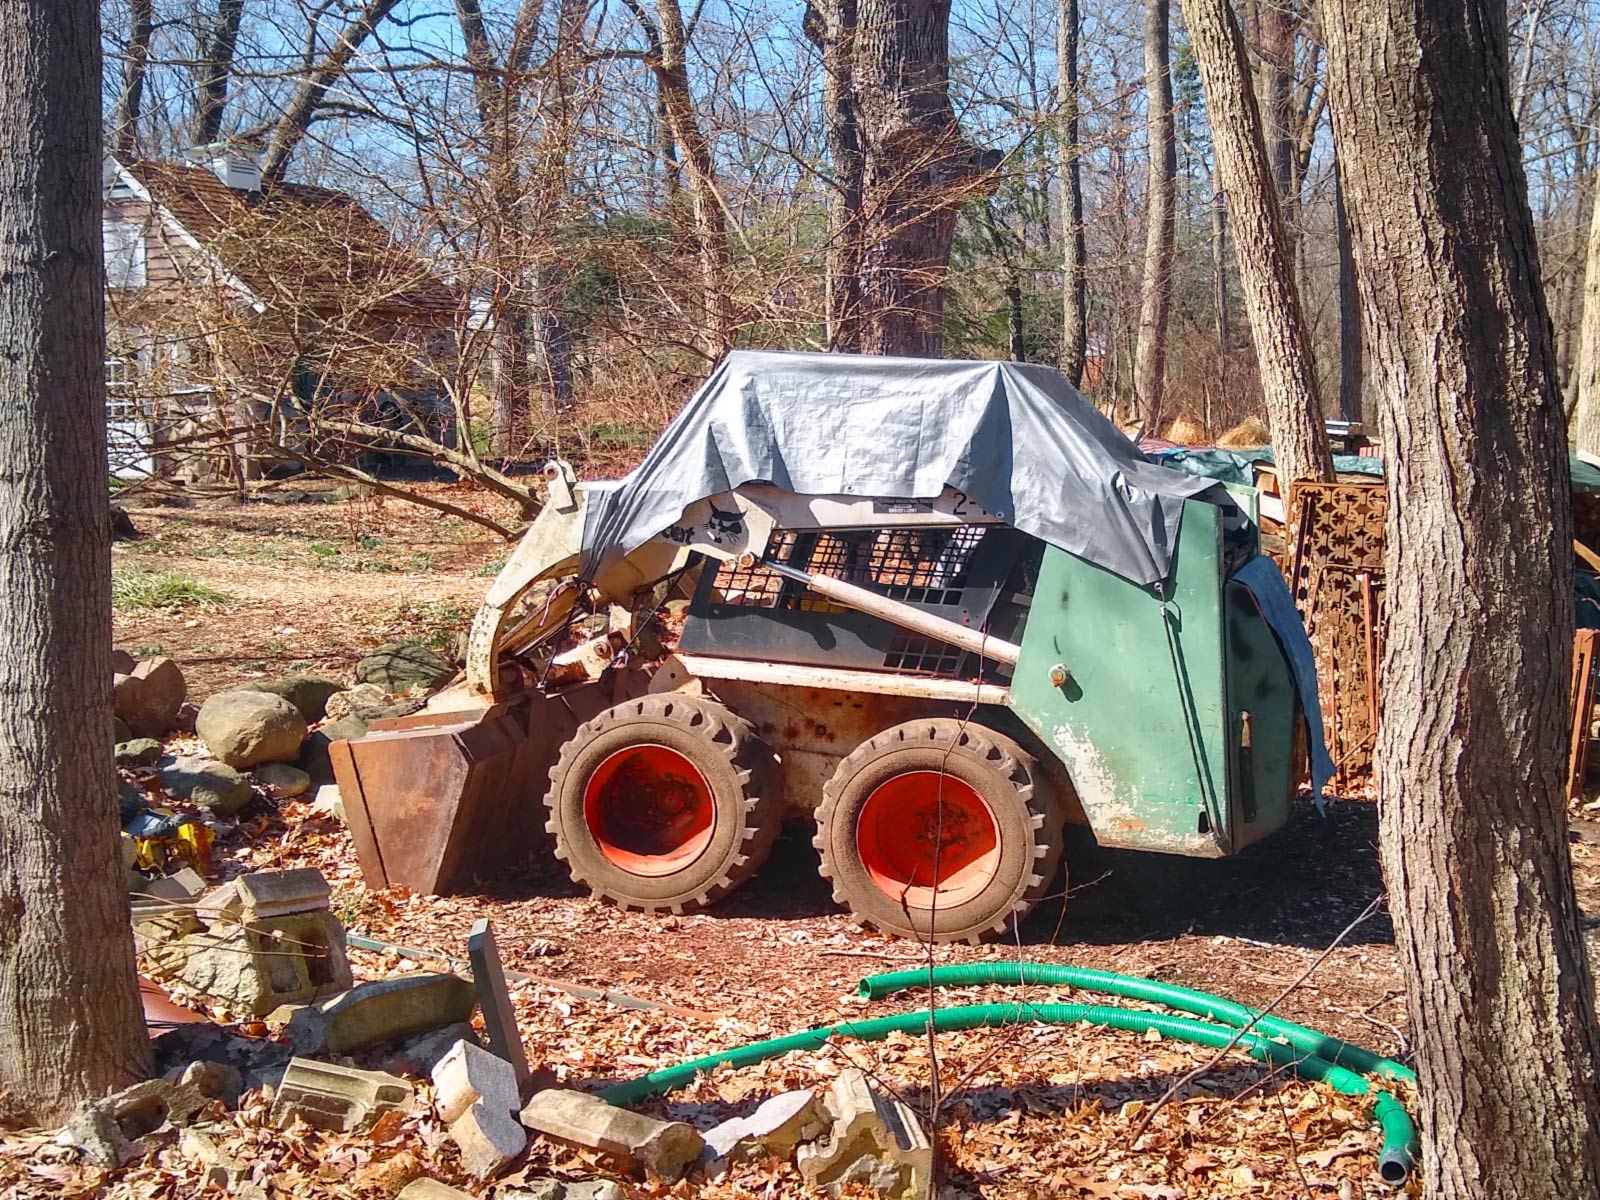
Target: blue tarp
1272,596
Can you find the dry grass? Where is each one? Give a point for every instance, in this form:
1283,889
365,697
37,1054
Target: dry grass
1249,434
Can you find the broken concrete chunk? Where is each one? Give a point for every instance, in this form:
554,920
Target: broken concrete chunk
104,1130
245,729
341,1099
220,1169
271,941
773,1130
476,1094
432,1189
594,1189
381,1011
660,1148
499,1017
420,1053
873,1140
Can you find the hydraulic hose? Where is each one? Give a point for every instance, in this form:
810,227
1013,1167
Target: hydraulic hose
1399,1134
1133,987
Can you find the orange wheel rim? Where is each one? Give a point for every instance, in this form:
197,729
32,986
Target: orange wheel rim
928,839
649,810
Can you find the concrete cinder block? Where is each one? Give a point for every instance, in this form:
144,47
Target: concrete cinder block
342,1099
279,893
873,1140
476,1095
660,1148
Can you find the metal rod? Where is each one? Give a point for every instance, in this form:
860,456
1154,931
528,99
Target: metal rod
905,615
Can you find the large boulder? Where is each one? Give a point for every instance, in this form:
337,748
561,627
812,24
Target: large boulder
149,696
308,693
206,784
313,758
245,729
404,666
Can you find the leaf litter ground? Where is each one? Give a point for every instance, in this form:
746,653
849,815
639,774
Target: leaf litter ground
1026,1111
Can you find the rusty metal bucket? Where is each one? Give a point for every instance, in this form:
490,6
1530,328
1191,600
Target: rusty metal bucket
438,800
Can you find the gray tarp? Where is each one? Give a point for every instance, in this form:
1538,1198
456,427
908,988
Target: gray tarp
1020,440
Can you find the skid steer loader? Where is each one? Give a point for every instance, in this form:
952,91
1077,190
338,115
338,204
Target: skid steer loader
936,609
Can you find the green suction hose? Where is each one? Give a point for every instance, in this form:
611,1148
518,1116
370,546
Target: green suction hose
1399,1135
1134,987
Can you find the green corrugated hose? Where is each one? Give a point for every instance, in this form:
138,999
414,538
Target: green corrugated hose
1134,987
1399,1135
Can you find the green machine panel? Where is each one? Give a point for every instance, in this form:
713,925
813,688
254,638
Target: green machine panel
1149,721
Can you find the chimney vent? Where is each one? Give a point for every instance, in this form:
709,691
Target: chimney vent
238,167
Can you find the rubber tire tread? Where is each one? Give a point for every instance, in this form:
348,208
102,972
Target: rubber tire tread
737,764
1003,773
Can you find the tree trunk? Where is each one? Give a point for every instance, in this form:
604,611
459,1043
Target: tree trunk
1219,287
1586,374
1016,330
1478,647
917,171
1160,203
71,1025
710,226
1074,307
1266,268
297,114
214,68
1352,369
832,27
130,102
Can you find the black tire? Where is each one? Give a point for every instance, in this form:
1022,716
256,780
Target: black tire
1023,839
739,801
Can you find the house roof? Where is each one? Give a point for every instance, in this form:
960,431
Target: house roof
292,242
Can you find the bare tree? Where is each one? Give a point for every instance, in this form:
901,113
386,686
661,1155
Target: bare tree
1266,269
135,63
70,1021
1586,384
1074,301
216,39
917,170
1160,217
318,76
831,27
1478,646
1352,368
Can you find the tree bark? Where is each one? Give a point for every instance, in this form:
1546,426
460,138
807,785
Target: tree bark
1160,227
831,26
295,121
1219,286
1352,368
917,170
71,1025
1074,306
213,70
1266,268
1586,375
671,67
135,62
1478,647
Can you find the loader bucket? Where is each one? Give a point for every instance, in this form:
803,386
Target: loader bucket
438,800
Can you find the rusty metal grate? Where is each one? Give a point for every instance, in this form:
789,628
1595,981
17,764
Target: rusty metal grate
918,566
1337,576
